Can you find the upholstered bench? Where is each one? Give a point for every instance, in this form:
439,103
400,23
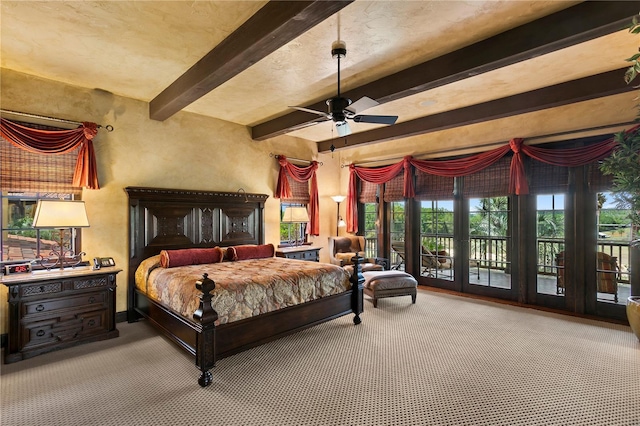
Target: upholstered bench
378,284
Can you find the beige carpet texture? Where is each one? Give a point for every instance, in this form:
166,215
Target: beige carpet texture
447,360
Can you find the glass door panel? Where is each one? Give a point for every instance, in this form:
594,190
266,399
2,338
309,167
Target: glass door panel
550,236
613,260
489,242
371,226
396,235
436,237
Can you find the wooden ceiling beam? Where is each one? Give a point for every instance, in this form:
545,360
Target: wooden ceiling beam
574,25
596,86
273,26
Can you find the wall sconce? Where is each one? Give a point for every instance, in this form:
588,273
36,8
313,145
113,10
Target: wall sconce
296,215
339,222
61,215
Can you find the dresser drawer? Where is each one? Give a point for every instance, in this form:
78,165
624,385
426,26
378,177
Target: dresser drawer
52,305
41,289
311,255
64,328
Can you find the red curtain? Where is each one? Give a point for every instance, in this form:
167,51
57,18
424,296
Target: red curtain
377,175
57,142
571,157
300,174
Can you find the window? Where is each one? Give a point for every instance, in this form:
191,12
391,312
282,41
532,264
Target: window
550,235
19,240
371,229
436,236
292,234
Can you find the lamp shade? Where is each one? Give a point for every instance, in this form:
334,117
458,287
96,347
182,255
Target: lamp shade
60,214
338,198
295,215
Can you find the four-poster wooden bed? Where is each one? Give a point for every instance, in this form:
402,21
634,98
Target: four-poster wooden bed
168,219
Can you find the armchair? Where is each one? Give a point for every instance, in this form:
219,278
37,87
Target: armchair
342,249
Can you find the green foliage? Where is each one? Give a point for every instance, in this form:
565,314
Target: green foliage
551,225
634,69
624,163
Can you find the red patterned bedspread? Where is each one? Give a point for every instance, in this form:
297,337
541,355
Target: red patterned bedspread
244,288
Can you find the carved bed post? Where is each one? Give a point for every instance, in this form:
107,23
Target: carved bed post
206,335
357,286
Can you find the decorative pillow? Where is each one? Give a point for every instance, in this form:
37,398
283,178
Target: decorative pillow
194,256
249,251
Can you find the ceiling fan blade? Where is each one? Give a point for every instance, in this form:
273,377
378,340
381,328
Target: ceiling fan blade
377,119
312,111
343,128
362,104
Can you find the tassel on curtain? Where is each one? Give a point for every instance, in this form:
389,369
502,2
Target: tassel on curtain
301,174
51,142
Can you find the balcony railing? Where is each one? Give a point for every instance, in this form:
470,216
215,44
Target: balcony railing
492,253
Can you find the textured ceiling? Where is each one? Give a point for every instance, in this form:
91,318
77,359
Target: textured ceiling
138,48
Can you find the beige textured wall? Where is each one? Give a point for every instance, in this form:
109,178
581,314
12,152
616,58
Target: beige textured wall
187,151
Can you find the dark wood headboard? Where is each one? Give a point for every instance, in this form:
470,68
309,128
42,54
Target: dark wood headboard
162,219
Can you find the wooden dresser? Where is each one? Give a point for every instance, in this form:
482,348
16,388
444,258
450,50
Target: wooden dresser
309,253
55,310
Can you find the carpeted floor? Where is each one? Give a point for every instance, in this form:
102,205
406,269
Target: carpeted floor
447,360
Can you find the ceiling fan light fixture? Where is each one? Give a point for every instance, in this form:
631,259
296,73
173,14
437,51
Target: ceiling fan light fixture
338,49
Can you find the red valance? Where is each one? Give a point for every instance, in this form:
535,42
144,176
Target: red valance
300,174
57,142
572,157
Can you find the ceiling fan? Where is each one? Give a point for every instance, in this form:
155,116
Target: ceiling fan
342,109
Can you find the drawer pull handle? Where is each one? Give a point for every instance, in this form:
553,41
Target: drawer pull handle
92,323
92,299
39,308
40,333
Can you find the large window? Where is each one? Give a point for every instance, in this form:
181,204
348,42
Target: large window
20,241
436,236
613,260
550,234
489,242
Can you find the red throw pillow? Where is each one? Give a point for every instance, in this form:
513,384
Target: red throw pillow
194,256
245,252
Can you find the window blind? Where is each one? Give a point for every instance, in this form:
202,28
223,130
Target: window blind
23,171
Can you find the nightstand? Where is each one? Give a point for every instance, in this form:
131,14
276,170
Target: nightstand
309,253
51,310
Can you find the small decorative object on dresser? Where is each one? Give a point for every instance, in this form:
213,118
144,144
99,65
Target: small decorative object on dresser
57,309
300,252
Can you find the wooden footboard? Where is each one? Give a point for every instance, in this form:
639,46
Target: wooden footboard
217,342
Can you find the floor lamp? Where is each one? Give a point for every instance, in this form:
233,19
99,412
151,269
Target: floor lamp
339,222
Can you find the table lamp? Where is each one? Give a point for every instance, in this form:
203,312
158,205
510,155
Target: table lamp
61,215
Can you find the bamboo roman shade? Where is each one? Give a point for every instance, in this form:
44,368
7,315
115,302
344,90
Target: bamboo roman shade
299,191
368,192
432,187
492,181
23,171
393,189
596,180
547,179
